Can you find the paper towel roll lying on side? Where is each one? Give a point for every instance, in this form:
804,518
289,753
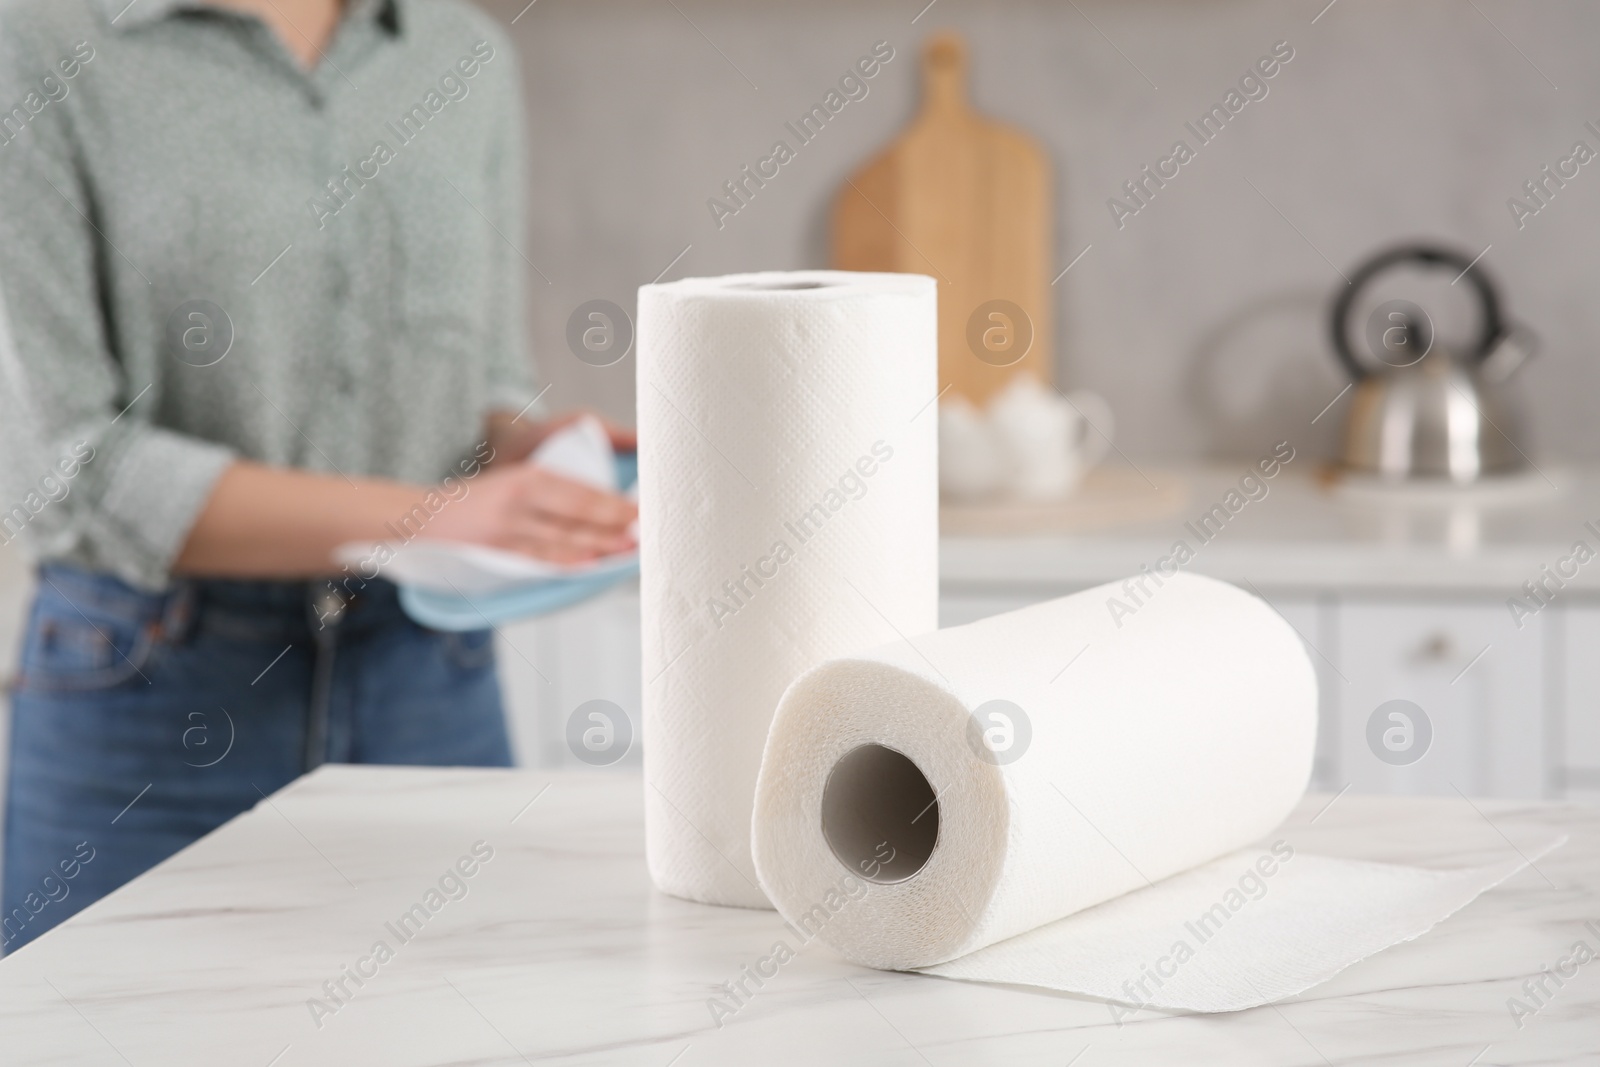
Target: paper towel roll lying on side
788,512
990,780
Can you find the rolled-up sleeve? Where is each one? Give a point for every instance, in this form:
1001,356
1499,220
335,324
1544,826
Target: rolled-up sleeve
66,404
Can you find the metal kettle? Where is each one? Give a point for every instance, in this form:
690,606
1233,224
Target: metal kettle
1420,410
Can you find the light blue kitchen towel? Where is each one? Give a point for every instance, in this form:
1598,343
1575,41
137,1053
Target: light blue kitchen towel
455,611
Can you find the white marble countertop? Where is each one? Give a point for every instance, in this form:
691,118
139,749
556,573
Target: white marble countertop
1304,534
560,951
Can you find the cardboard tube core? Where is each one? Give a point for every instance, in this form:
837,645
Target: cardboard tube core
879,814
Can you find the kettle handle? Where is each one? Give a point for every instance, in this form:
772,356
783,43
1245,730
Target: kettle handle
1428,255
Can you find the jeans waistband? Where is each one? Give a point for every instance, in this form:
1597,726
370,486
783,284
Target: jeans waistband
244,609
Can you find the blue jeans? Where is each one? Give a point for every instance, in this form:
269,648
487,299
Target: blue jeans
141,721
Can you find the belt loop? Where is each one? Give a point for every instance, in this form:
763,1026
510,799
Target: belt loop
179,613
325,608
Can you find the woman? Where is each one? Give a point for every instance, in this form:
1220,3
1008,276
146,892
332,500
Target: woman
261,298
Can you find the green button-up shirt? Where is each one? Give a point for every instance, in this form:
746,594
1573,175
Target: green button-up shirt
209,252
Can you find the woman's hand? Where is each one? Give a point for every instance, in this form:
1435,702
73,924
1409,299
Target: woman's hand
270,522
524,508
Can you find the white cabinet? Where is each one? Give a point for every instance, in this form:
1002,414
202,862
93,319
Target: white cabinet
551,665
1578,696
962,608
1474,686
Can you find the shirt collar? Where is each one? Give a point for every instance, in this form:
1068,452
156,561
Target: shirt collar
126,14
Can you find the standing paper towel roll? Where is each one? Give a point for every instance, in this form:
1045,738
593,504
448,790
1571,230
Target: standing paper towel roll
1053,797
788,514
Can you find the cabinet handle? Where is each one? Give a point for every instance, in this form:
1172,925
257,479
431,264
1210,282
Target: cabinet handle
1438,648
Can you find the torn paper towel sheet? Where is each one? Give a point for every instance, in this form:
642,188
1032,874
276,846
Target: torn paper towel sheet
1226,935
455,567
789,513
990,780
581,452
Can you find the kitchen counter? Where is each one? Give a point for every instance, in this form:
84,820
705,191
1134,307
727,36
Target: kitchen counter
1307,533
555,948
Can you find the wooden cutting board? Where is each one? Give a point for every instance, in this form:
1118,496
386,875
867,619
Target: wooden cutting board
968,201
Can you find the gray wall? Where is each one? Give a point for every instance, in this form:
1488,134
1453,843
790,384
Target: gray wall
1201,320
